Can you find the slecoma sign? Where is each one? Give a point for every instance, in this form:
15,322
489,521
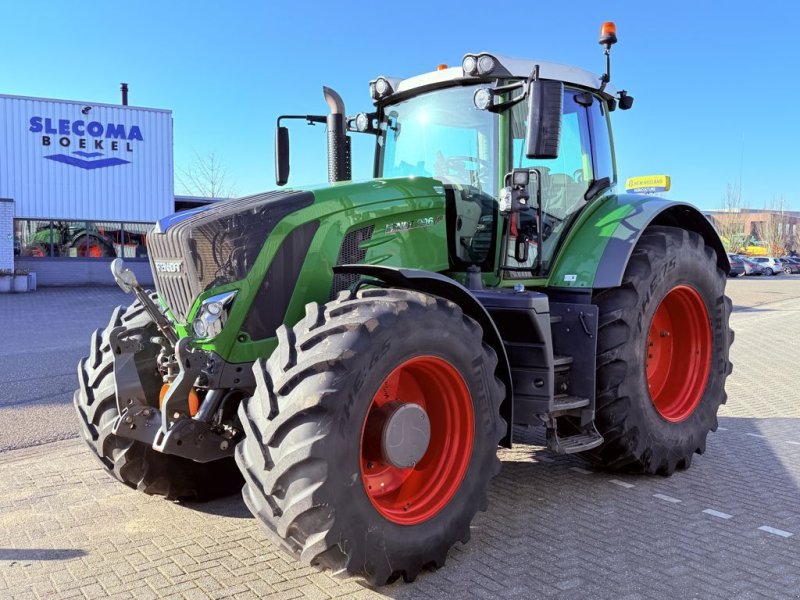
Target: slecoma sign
86,141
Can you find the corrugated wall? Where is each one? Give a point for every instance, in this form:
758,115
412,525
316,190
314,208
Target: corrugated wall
85,180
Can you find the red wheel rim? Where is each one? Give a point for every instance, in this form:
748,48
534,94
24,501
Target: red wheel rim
413,495
93,251
678,353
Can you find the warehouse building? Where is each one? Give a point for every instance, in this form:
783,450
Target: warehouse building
80,184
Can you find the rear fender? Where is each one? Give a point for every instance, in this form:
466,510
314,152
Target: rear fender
429,282
597,250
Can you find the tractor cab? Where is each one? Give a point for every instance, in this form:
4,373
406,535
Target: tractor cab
470,130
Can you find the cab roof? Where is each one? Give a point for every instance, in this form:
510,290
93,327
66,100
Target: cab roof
506,67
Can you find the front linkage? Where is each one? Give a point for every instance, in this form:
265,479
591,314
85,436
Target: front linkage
179,426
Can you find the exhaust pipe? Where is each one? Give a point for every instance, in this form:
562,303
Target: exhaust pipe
339,162
124,89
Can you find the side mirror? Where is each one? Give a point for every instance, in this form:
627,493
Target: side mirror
281,155
545,98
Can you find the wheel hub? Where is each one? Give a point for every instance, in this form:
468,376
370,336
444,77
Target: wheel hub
406,434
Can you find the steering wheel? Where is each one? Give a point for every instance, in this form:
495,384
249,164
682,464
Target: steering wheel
458,166
578,176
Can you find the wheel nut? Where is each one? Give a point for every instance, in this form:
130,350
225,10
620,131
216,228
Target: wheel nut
128,419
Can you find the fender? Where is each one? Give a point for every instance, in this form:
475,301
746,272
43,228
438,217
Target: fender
597,249
436,284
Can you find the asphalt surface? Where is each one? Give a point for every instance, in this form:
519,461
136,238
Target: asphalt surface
729,527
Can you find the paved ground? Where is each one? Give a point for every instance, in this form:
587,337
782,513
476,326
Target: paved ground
727,528
43,335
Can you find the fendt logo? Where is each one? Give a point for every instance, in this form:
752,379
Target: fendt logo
88,140
168,266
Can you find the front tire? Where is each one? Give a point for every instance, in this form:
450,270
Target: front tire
663,345
134,463
316,474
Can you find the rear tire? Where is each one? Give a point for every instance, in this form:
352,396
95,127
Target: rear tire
658,436
306,431
134,463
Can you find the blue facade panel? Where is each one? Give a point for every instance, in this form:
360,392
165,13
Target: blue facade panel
81,160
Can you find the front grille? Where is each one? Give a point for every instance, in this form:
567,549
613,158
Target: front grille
175,289
215,246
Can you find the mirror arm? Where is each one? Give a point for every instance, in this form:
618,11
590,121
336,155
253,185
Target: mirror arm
504,106
312,119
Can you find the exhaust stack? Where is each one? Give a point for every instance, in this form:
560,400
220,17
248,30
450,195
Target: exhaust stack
124,89
339,162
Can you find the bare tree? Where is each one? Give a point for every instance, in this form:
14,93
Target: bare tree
207,176
729,220
775,230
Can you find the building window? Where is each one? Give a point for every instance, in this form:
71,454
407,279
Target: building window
32,238
80,239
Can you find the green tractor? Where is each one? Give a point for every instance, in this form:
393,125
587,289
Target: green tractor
357,352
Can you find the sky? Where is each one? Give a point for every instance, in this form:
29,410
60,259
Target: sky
715,84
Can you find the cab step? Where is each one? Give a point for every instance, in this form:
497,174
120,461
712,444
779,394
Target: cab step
563,402
586,440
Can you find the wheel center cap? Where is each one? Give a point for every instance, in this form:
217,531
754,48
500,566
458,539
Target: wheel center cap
406,435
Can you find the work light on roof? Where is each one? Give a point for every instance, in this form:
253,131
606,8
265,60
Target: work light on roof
470,65
478,64
380,88
486,64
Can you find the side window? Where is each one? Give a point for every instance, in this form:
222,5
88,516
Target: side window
601,140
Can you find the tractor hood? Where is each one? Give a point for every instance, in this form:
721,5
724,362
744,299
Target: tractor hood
193,251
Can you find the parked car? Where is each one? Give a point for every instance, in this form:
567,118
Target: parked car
770,264
791,265
751,267
737,266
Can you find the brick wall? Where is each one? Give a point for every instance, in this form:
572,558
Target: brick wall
6,233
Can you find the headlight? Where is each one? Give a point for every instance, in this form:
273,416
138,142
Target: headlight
212,315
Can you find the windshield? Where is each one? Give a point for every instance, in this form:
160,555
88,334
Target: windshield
441,134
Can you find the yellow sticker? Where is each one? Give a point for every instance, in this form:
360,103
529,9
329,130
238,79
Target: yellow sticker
648,183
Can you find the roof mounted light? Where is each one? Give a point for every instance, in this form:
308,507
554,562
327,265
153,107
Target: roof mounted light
479,64
469,65
608,34
380,88
486,64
